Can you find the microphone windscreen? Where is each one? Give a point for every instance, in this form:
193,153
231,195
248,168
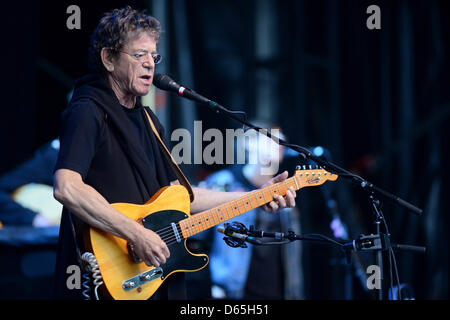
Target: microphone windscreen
162,81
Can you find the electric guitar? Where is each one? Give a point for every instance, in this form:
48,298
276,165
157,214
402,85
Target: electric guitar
168,214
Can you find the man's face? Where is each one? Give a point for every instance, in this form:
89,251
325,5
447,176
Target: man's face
134,76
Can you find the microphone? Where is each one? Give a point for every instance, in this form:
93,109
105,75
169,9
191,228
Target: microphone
166,83
240,236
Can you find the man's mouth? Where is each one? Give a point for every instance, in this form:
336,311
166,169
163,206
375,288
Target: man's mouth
146,78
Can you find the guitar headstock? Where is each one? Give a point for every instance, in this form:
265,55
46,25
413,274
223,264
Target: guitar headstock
309,177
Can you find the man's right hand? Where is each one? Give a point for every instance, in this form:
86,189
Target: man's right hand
150,248
91,207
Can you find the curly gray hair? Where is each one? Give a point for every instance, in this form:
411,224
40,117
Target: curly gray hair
114,30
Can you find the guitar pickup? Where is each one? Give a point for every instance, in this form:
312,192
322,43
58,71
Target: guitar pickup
132,254
142,278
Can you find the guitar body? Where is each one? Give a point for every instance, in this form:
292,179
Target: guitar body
169,205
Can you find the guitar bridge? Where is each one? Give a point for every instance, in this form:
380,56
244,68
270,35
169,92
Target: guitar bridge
142,278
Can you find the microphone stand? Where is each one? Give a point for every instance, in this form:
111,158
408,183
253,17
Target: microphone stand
304,153
370,188
379,242
375,242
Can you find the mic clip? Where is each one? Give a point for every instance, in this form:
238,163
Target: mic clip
235,243
235,228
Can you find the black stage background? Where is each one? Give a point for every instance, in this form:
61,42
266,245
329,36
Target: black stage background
377,99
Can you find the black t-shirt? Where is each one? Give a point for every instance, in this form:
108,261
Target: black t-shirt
90,145
135,115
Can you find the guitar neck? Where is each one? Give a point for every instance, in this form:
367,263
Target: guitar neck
254,199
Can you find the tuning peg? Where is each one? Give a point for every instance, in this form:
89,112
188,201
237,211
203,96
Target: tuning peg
310,167
298,168
304,167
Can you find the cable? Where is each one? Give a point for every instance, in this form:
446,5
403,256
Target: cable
93,268
86,286
391,255
396,274
323,238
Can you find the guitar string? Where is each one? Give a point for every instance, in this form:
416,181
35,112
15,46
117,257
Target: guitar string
169,237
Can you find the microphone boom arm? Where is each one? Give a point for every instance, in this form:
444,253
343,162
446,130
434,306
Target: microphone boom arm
164,82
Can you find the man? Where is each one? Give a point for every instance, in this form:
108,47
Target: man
108,152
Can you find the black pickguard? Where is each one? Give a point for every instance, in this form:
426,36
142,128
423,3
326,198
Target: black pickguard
180,259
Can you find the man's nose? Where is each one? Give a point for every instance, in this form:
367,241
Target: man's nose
149,63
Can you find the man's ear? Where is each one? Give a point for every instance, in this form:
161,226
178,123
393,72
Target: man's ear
107,59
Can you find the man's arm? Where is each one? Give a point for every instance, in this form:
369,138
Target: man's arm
205,199
91,207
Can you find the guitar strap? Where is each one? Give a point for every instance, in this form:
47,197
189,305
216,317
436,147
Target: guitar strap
181,177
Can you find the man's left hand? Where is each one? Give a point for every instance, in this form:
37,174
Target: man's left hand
280,202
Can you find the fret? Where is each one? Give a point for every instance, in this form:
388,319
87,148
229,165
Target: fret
249,202
291,183
227,212
214,218
202,222
206,219
220,216
183,223
187,227
278,188
194,224
270,196
236,207
221,219
239,207
256,196
232,213
262,192
222,213
287,186
250,199
245,208
179,230
295,180
271,192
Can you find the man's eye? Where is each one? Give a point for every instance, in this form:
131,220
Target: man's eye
140,55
